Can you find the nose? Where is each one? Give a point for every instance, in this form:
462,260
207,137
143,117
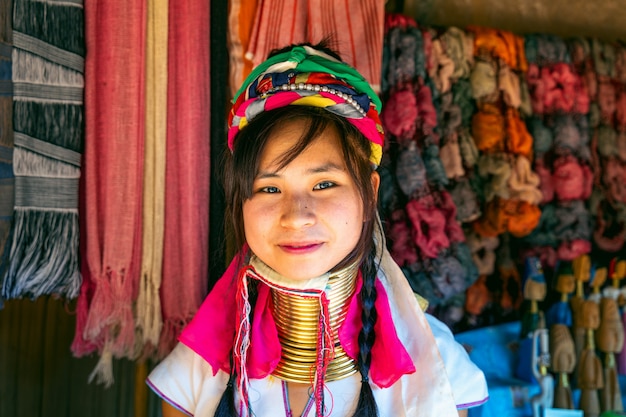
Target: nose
297,212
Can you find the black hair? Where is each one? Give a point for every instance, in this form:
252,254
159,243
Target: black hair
241,168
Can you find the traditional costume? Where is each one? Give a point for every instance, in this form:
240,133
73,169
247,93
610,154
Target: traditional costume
257,330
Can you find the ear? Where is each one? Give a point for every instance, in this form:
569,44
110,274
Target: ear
375,180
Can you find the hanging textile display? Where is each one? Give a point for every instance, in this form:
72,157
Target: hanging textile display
6,135
47,73
354,28
148,312
185,246
113,178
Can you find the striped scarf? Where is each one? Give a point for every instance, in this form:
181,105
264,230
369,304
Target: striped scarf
48,51
6,135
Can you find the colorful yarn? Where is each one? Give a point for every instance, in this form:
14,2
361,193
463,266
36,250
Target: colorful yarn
442,67
523,182
543,235
546,185
484,81
450,155
459,47
609,233
435,171
467,147
545,50
405,51
482,249
501,44
400,114
496,171
501,215
574,221
399,235
462,97
604,57
509,85
410,170
518,140
572,181
488,128
571,136
429,224
465,200
541,134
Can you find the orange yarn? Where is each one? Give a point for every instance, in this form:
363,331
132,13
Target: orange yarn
488,128
519,218
519,140
477,296
501,44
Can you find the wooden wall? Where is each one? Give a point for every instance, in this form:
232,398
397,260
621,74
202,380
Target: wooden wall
40,377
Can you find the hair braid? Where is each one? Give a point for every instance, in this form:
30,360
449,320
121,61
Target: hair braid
226,407
366,406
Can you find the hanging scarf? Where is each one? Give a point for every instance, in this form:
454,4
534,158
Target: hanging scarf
356,26
187,180
148,314
113,179
48,69
6,136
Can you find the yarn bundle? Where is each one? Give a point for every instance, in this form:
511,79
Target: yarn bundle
422,157
559,124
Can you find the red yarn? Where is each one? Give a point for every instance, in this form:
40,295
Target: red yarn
568,178
546,184
568,251
428,226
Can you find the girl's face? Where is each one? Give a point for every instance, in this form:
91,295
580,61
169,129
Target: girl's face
304,218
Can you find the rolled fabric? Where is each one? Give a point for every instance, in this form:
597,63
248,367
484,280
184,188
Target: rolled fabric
488,128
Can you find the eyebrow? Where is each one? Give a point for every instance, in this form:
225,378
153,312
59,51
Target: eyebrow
327,167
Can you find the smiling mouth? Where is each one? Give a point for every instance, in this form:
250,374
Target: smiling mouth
300,248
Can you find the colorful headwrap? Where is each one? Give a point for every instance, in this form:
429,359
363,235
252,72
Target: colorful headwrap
308,77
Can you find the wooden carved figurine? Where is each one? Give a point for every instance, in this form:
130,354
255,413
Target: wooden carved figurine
610,340
582,273
563,362
590,378
534,292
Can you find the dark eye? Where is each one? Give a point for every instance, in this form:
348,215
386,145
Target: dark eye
269,190
324,185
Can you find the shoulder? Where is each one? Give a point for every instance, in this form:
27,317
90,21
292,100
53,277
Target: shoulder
186,381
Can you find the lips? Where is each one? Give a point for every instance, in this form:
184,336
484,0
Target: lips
300,248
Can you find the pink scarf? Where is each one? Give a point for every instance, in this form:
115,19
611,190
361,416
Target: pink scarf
113,176
211,333
185,246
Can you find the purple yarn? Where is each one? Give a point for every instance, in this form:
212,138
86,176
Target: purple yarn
410,170
574,221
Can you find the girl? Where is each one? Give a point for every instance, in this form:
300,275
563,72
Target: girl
312,317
